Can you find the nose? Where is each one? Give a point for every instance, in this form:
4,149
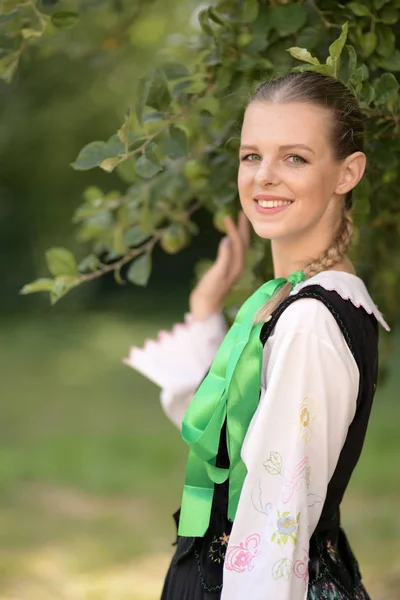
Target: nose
266,174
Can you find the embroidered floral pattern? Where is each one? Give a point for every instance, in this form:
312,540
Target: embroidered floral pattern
218,547
287,529
282,569
300,567
257,499
274,463
241,558
294,480
306,418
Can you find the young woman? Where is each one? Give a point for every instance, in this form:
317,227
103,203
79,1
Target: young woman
278,423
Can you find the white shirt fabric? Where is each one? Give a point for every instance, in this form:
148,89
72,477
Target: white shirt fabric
309,388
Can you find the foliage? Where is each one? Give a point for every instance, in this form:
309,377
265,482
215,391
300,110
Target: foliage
176,150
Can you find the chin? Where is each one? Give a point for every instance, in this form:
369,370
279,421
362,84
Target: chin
269,231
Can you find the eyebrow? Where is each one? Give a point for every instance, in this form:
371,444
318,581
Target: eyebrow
285,147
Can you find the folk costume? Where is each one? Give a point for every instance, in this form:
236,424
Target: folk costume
275,429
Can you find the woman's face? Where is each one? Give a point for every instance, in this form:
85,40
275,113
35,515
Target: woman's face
287,174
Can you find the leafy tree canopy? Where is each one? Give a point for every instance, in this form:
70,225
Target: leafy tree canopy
176,149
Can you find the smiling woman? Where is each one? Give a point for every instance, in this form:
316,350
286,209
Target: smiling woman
277,425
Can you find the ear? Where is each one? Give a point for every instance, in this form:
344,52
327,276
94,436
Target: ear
351,171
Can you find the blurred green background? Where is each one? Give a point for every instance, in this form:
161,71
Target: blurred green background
90,468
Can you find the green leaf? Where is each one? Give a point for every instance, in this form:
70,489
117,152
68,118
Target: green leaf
89,263
65,19
390,64
352,64
91,156
219,18
140,270
8,66
367,94
28,33
378,4
40,285
204,22
123,131
60,287
389,15
303,54
369,43
135,236
210,104
174,143
61,261
360,10
153,92
94,196
146,168
324,69
386,41
249,11
288,19
335,49
109,164
385,87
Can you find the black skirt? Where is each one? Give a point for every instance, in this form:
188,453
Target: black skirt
196,568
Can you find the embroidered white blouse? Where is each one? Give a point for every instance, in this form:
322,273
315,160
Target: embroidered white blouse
309,389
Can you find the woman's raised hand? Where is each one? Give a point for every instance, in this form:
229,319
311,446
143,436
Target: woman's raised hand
208,295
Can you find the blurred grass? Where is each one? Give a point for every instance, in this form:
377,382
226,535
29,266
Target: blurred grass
91,469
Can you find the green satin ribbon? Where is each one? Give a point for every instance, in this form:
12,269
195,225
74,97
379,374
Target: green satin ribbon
230,391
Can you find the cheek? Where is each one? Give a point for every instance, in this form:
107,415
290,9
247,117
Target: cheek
245,179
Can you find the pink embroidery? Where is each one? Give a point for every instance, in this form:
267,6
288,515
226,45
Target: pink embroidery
293,481
300,567
239,558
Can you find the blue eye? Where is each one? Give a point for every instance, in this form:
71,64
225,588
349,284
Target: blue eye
300,160
250,157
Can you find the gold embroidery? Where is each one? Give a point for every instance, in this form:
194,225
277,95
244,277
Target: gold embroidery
306,418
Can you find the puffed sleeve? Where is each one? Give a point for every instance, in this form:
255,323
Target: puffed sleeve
308,400
178,360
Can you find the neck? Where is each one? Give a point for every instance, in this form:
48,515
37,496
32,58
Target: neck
292,254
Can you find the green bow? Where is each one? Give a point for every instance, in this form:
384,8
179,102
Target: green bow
230,391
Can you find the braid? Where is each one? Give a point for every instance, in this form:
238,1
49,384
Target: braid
337,250
327,260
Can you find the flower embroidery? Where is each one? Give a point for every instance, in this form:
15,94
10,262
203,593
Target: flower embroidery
274,463
293,481
300,567
306,418
287,529
282,569
218,548
241,558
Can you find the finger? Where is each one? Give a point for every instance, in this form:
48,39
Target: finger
244,229
224,256
237,253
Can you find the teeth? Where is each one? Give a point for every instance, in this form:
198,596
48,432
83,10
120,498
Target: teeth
273,203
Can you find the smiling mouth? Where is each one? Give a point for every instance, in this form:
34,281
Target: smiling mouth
273,203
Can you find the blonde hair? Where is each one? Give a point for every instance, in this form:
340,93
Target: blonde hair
346,136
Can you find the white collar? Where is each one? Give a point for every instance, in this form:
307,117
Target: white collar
349,287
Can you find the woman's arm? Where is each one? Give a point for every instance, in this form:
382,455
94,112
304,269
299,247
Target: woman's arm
291,449
178,360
